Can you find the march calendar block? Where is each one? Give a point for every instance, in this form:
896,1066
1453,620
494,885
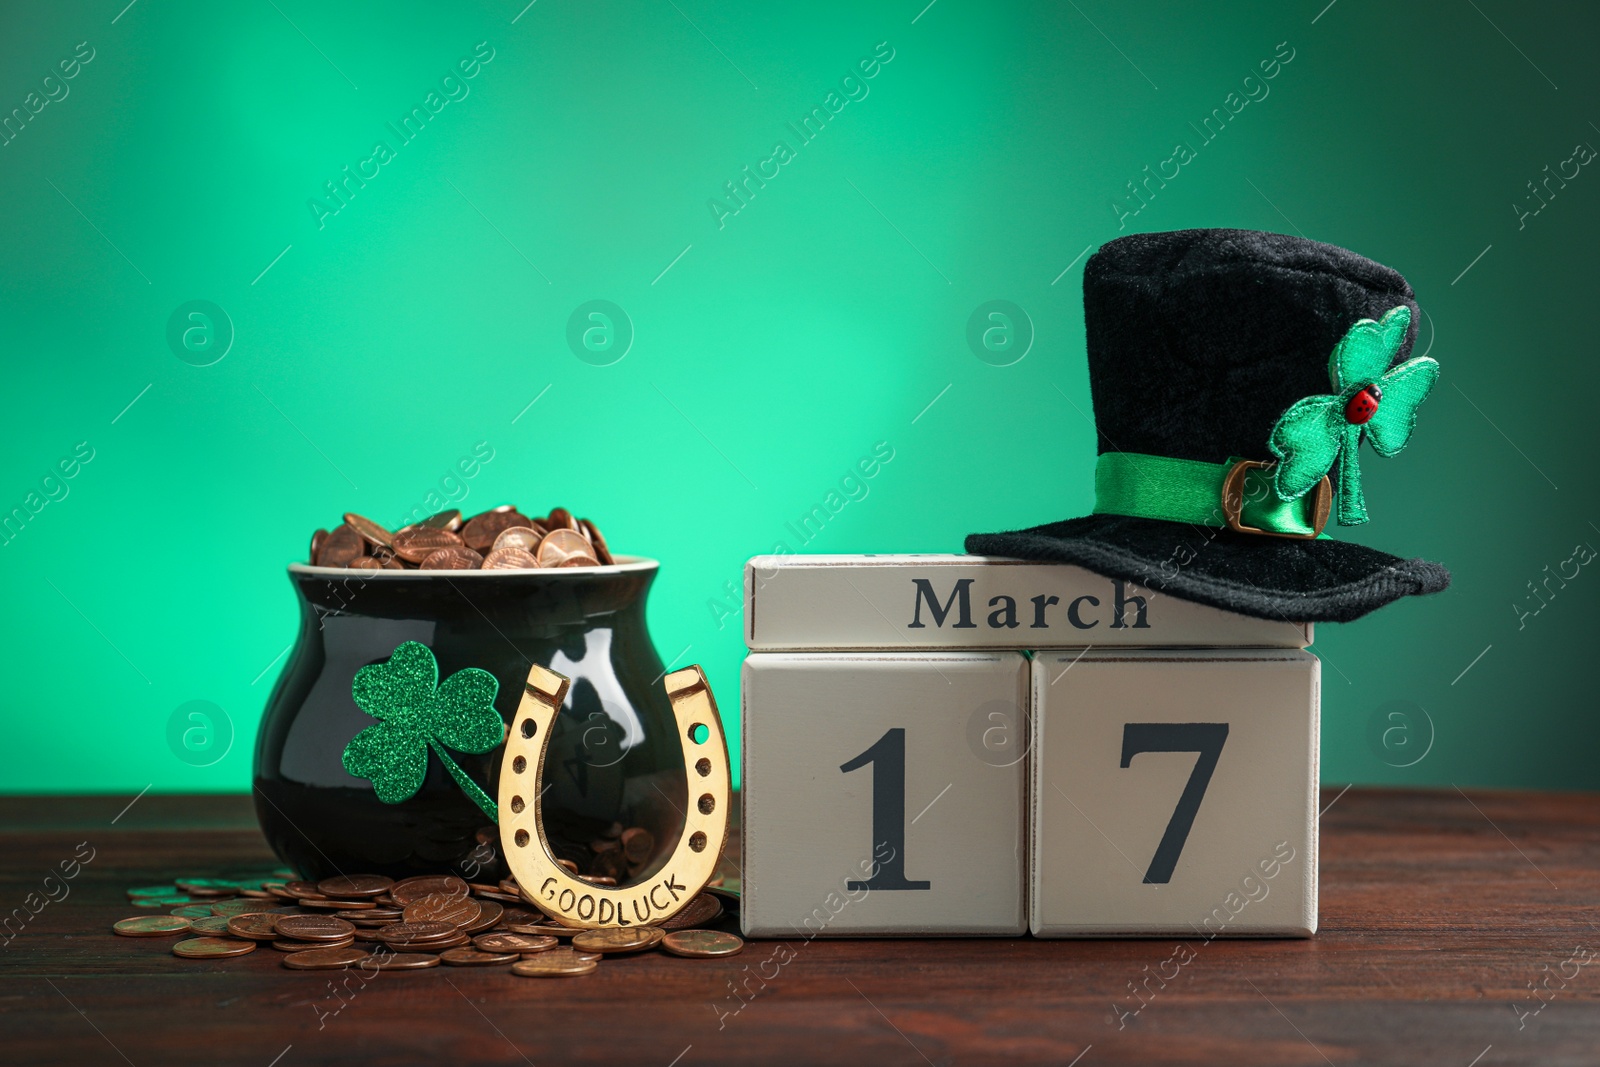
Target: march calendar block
886,794
1175,793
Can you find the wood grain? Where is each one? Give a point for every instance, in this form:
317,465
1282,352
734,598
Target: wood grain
1438,910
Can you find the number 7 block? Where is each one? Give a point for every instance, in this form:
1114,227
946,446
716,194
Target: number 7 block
1174,793
885,794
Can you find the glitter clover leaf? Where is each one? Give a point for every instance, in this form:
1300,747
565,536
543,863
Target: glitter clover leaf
415,712
1371,400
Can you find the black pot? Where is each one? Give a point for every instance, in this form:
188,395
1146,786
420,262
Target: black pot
614,754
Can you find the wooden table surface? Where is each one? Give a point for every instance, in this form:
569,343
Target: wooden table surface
1441,911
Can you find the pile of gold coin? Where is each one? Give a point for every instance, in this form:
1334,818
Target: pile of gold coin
374,922
501,538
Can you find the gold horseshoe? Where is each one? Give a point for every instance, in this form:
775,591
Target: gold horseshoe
569,900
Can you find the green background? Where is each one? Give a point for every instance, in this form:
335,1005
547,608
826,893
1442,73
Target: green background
826,316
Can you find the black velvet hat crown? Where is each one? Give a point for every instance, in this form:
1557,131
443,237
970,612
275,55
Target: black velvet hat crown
1199,342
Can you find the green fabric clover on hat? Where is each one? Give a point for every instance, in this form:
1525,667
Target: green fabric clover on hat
1373,402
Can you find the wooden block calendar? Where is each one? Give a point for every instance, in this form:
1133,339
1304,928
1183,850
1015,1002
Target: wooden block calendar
954,745
889,794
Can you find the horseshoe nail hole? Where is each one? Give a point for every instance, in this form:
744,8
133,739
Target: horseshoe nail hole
517,805
519,764
703,766
698,733
696,842
528,727
708,804
522,838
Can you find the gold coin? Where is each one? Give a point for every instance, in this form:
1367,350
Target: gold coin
456,558
314,928
152,926
524,943
355,886
703,910
510,559
370,531
323,959
415,543
702,944
254,927
558,963
206,948
617,939
340,547
558,546
523,537
403,961
471,957
306,946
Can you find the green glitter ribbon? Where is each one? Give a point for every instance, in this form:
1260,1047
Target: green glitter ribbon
416,713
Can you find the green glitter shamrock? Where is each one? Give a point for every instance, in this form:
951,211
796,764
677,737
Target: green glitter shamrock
1319,430
417,713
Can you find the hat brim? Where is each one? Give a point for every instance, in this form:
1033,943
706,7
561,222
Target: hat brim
1265,577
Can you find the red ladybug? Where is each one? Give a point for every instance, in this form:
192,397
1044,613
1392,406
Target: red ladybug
1363,405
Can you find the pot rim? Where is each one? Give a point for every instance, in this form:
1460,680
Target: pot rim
623,565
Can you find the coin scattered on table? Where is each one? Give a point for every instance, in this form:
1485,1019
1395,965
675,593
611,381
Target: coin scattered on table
314,927
242,906
345,887
614,940
253,926
402,961
323,959
463,956
501,538
703,910
702,944
361,920
414,890
558,963
306,946
455,911
525,943
210,948
152,926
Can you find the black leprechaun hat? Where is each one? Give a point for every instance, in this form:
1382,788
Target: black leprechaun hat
1237,379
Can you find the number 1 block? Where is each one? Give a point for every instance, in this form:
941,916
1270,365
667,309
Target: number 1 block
1175,793
885,794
